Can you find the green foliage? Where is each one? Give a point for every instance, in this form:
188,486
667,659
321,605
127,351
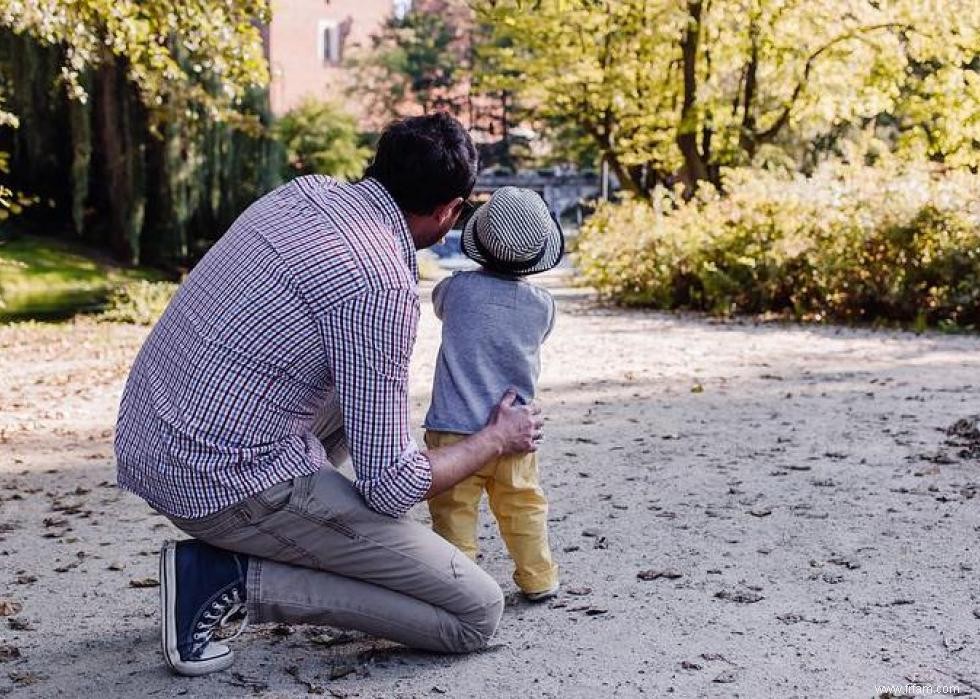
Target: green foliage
849,243
138,302
669,88
178,54
42,278
417,60
152,186
320,137
141,124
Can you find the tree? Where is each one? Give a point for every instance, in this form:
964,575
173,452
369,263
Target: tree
416,62
319,137
177,54
150,114
673,89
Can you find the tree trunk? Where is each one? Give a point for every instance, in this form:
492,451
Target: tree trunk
121,140
747,133
695,169
80,125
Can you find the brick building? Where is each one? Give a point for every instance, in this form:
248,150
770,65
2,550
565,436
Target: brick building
307,41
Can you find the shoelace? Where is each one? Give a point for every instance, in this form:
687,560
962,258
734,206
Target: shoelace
221,611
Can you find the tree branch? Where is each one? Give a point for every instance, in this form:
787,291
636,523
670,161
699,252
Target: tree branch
783,118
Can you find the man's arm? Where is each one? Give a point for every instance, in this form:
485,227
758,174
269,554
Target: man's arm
512,429
369,343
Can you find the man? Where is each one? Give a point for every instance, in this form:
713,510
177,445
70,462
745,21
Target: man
289,341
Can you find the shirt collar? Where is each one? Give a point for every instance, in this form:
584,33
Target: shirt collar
375,193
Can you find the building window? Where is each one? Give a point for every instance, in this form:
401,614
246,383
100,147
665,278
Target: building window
329,42
400,8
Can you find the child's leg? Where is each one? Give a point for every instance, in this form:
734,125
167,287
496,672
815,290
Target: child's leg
521,510
455,512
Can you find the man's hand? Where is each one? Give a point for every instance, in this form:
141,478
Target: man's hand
517,427
513,428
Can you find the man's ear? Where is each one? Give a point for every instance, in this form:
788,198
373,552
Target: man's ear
447,213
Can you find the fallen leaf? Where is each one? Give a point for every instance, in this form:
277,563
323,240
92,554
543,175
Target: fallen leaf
330,639
654,574
24,678
9,607
144,582
739,596
8,652
579,591
793,618
340,671
311,687
846,562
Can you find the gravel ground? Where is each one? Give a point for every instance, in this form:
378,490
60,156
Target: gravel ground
738,510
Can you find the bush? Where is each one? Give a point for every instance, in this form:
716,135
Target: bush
138,303
848,243
321,138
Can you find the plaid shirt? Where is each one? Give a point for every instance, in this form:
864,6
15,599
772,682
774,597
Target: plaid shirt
303,314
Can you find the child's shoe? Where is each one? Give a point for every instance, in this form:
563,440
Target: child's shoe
543,595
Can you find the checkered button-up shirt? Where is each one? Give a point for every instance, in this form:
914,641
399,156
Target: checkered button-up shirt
303,314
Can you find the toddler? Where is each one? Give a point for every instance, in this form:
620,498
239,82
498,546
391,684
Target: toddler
493,324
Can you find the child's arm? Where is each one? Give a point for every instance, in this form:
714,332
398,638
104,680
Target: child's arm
552,314
439,295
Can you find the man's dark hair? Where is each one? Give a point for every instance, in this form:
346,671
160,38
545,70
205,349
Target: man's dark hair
424,162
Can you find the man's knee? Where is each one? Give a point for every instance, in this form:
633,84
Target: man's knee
478,624
479,628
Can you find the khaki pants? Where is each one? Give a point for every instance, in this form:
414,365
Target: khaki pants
517,502
319,555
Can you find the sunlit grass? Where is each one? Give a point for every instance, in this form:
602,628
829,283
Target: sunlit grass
48,279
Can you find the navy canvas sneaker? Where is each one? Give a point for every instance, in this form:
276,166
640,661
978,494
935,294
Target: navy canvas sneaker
201,588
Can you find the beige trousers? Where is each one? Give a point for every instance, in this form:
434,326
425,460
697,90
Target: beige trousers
319,555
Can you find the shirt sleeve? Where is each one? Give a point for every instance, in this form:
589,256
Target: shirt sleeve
369,343
439,295
552,315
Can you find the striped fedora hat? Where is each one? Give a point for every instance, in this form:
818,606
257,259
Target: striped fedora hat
514,233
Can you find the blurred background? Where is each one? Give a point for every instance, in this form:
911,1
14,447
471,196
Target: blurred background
815,160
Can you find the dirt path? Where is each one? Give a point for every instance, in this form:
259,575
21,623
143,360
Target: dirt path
738,511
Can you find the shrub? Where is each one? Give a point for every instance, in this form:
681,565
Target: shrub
321,138
139,303
848,243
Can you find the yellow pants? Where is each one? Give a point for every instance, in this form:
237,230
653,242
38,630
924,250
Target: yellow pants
517,502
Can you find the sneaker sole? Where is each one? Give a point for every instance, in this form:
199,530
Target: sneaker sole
168,622
543,594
